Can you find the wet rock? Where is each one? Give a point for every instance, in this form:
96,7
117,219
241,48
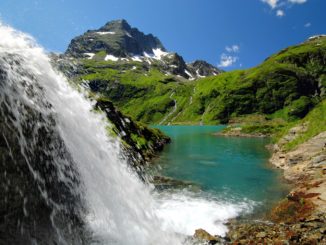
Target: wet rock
163,182
140,142
203,235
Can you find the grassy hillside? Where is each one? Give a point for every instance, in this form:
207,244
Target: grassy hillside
140,91
315,123
286,86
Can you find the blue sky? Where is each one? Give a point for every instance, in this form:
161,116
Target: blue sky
233,34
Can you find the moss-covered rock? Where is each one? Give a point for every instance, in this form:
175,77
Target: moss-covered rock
140,142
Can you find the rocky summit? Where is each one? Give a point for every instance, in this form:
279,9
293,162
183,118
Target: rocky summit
117,41
117,38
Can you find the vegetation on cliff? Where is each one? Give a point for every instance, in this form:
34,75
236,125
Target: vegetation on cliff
286,86
140,143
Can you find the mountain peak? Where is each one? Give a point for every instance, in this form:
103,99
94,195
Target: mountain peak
116,38
202,68
121,24
118,41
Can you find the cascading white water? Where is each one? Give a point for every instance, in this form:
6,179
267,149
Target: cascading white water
119,208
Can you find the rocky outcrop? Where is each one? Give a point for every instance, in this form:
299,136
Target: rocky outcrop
305,166
117,38
203,69
119,42
204,236
307,231
163,183
236,131
140,142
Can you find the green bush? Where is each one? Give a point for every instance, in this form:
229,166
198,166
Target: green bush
300,107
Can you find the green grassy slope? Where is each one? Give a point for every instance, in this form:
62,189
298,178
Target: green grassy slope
143,92
285,86
315,122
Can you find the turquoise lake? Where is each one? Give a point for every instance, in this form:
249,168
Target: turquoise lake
226,167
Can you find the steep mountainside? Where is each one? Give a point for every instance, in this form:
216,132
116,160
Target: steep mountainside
117,41
117,38
286,85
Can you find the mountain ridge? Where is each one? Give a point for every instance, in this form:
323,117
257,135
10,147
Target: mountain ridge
287,85
117,41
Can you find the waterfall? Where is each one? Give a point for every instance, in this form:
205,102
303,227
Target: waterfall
72,187
62,178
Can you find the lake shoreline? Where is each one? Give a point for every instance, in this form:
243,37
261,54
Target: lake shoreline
300,217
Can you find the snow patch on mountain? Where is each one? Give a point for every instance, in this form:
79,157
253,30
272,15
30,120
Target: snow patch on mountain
90,55
159,53
105,32
111,57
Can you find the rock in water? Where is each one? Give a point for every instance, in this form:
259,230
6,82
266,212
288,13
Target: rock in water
203,235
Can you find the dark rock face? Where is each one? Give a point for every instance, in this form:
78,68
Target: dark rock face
36,204
142,143
202,68
175,64
117,38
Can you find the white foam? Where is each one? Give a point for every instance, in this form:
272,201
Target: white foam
184,213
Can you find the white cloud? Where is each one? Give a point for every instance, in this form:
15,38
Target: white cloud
233,49
271,3
280,13
227,60
308,24
297,1
276,4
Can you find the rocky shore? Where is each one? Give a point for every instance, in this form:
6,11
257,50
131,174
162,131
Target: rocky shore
234,131
300,218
